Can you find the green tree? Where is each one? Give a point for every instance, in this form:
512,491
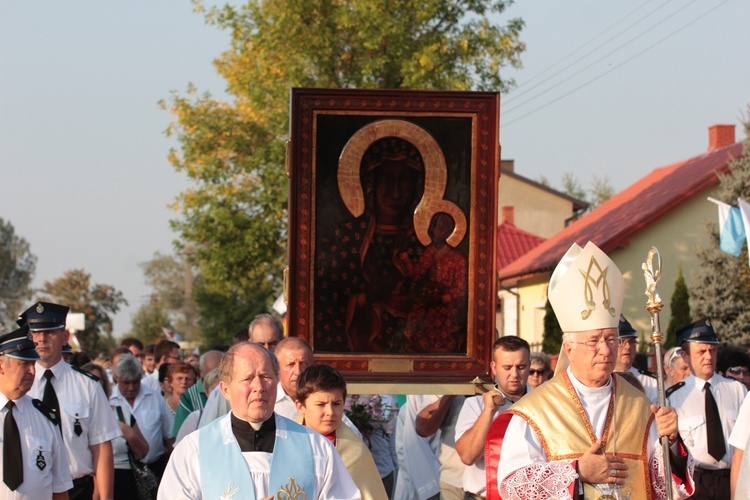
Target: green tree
552,339
680,309
722,287
148,321
17,266
234,218
572,187
171,280
98,303
601,190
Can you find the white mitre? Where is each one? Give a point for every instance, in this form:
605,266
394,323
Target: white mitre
586,291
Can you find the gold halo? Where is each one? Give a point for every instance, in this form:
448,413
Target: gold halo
436,176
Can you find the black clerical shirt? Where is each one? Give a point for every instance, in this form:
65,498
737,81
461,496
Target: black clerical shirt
251,440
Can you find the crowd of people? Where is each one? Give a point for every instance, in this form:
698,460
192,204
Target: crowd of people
262,420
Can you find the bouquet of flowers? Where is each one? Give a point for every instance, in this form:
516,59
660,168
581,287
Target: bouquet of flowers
368,413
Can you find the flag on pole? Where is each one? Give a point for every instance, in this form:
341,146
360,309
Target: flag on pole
745,211
731,229
171,335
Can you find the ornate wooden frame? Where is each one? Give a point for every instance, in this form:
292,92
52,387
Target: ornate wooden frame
329,124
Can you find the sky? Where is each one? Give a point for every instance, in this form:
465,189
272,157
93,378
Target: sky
609,89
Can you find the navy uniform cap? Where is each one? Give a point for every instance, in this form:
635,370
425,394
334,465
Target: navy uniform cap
44,316
18,344
700,331
66,349
625,330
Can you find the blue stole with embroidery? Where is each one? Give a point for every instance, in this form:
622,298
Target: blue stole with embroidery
224,471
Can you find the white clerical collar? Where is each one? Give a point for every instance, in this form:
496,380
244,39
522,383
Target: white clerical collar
590,392
255,425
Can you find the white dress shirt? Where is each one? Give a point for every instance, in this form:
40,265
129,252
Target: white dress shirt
39,438
475,478
181,478
154,418
688,400
741,432
418,467
216,406
82,400
649,383
451,467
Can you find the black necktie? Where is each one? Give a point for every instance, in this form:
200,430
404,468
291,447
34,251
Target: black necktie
714,432
50,396
12,457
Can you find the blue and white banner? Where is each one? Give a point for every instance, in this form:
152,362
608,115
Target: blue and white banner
745,211
731,230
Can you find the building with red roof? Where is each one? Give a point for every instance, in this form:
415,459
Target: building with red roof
667,209
529,212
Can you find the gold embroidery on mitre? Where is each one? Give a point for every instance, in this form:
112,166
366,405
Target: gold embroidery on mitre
291,491
588,291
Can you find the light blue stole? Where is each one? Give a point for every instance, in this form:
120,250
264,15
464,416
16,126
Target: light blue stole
224,472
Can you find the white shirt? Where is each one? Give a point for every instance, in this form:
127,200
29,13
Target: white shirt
451,466
216,406
688,400
475,478
181,478
741,432
38,436
151,380
81,399
649,383
189,425
154,418
418,467
285,405
120,445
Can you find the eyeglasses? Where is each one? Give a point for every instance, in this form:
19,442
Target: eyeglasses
537,372
738,370
594,345
675,354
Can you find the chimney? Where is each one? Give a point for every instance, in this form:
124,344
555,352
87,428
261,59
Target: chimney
507,212
507,166
720,136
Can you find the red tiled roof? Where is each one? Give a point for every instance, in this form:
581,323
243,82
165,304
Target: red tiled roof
512,243
613,222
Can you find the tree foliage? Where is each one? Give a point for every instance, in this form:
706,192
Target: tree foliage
234,217
171,303
98,303
17,266
680,310
722,288
148,321
552,339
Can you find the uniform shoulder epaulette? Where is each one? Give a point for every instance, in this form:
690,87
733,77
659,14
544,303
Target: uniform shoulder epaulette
84,372
678,385
45,410
647,373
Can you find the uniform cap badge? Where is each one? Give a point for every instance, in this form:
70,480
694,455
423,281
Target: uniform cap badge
39,308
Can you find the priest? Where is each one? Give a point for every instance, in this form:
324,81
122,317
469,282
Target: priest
587,433
252,452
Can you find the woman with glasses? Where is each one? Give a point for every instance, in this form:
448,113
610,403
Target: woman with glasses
675,368
540,370
734,362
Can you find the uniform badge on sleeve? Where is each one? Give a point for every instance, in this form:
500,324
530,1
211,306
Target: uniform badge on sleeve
40,462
